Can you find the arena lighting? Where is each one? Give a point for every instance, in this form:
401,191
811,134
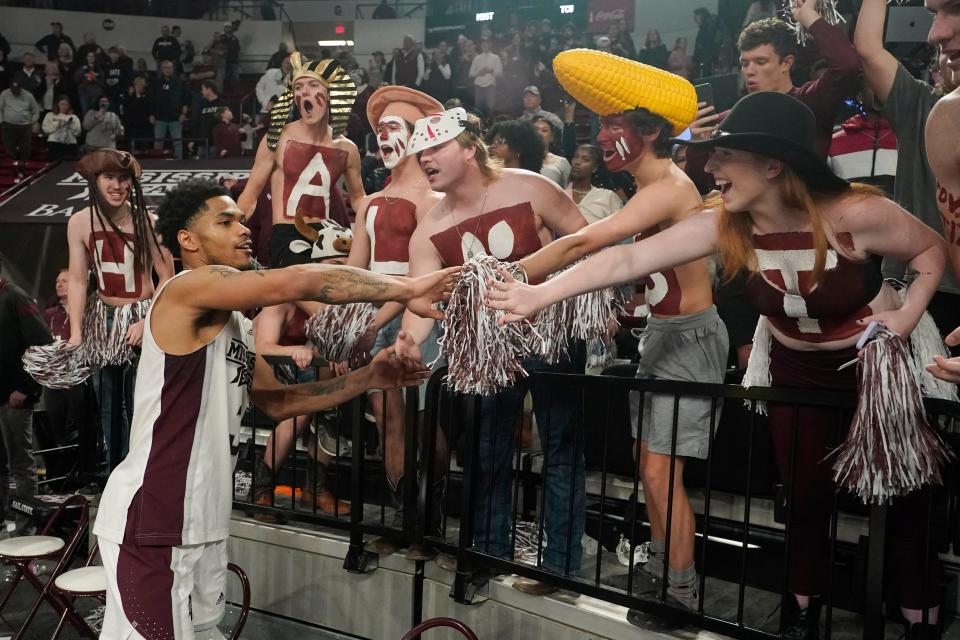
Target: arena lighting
335,43
485,16
566,8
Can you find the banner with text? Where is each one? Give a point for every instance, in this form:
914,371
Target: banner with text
602,13
60,193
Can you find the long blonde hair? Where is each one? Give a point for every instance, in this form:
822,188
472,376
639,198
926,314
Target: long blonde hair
472,136
735,231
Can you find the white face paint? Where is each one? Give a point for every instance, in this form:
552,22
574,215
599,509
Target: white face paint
393,138
622,148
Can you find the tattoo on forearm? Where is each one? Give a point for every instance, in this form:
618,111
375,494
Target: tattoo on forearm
949,204
343,285
327,387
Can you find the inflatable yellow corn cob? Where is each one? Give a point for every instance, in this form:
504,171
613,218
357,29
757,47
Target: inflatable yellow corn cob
608,84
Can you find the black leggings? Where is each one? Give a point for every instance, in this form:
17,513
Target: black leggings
816,432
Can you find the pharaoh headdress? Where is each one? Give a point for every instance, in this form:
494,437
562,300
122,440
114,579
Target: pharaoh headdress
337,81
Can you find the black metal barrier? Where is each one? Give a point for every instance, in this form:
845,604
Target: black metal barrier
743,513
356,461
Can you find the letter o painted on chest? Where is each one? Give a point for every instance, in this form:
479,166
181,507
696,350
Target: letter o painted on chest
500,240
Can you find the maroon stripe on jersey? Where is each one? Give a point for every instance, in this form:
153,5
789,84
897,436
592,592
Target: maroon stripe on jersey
160,518
145,581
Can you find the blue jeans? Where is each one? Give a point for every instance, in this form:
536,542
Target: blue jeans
563,468
160,129
106,381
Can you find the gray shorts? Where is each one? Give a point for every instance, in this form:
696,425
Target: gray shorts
692,348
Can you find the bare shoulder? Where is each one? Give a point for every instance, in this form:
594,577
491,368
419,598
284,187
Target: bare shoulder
943,127
948,107
79,222
344,143
432,218
425,200
675,194
525,179
862,211
79,217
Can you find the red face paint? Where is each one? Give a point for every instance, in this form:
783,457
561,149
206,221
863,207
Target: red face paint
619,142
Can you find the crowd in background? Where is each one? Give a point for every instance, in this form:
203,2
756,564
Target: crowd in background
85,97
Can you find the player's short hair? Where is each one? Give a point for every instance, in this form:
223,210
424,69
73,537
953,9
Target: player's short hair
180,207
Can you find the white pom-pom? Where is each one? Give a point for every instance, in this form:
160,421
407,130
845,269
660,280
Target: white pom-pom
827,10
483,356
335,329
56,365
890,449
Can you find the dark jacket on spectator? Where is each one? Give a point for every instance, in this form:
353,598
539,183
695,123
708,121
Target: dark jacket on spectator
276,60
117,79
166,48
21,326
136,111
207,117
655,57
233,47
96,49
706,50
32,81
406,68
170,95
51,42
90,83
5,73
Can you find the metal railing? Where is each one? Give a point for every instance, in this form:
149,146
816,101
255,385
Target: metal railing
743,524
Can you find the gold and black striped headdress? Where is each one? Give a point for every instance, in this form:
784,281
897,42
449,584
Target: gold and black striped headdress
342,91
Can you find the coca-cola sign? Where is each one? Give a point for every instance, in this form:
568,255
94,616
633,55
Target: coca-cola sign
601,13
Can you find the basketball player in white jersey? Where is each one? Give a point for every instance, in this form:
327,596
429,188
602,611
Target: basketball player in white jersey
165,513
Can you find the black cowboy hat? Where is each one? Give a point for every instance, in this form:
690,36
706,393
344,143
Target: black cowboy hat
778,126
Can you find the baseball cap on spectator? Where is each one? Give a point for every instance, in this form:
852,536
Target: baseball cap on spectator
532,89
56,24
603,41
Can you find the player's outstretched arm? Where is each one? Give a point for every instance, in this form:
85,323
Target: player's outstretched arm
227,289
280,402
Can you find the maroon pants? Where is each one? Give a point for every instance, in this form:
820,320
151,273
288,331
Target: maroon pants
802,438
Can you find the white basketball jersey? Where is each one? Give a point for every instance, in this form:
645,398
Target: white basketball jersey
175,487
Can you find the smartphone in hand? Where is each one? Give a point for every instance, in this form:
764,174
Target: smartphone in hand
705,93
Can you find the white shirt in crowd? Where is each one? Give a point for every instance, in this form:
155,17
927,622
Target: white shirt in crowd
62,128
557,168
272,83
597,203
490,61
